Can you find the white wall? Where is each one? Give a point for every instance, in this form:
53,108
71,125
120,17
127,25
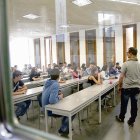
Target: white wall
82,47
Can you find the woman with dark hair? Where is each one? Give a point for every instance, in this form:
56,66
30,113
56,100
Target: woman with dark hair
95,77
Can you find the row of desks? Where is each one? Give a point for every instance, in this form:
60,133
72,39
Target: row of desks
76,102
37,90
26,78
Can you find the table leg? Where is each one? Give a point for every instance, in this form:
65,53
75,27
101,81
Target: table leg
70,128
99,108
46,119
114,96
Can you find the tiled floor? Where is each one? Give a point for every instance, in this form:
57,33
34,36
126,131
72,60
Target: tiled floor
109,129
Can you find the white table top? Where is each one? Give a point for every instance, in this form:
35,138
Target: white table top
73,82
29,94
75,100
35,91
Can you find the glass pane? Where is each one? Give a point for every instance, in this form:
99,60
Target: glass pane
37,53
109,45
90,46
74,44
48,51
60,48
129,37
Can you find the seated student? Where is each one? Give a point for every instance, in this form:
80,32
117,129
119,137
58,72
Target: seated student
34,75
77,74
20,88
25,70
65,68
118,67
83,67
88,70
95,77
51,95
49,69
105,72
112,71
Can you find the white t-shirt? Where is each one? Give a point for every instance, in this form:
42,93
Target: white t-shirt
131,69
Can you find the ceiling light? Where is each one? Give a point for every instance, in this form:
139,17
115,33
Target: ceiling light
126,1
81,2
31,16
64,26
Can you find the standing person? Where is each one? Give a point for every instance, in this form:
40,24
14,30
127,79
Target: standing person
129,84
20,88
51,95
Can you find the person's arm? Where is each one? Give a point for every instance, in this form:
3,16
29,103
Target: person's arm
21,89
36,79
120,82
54,97
122,75
74,74
96,81
19,92
62,81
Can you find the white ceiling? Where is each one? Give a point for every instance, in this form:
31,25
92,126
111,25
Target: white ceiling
85,17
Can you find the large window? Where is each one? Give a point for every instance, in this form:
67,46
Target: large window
37,53
109,45
90,46
74,47
60,43
129,38
48,50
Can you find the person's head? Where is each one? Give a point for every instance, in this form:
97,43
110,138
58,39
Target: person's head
69,65
83,65
75,68
15,66
49,65
94,71
17,75
25,65
92,65
117,64
55,74
29,66
64,64
34,69
56,67
132,52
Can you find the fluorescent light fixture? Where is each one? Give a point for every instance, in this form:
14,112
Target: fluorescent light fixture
31,16
81,2
64,26
127,2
